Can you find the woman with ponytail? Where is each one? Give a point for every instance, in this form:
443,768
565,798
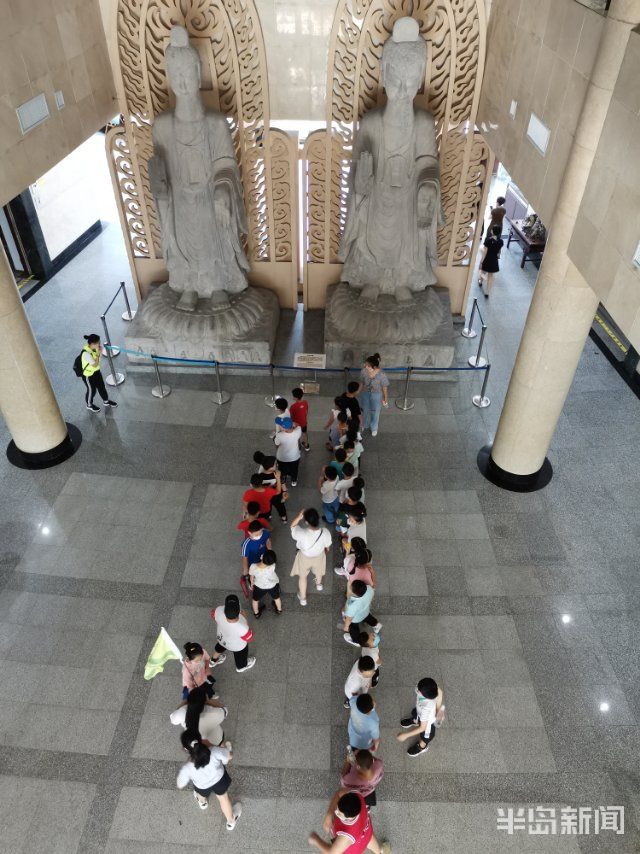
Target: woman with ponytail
92,375
206,771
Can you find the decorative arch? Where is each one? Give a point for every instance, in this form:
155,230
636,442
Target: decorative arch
455,31
228,37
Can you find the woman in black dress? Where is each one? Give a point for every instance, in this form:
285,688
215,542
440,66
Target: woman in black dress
490,255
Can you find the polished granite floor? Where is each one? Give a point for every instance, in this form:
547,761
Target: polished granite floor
524,608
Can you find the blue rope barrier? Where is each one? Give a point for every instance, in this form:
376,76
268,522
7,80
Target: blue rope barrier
257,366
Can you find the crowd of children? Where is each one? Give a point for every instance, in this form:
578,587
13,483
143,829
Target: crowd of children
342,496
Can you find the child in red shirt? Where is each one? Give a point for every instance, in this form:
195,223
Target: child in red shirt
252,514
299,410
261,494
349,824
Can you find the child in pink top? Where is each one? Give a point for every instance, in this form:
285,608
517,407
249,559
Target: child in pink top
362,773
364,572
358,546
361,569
195,670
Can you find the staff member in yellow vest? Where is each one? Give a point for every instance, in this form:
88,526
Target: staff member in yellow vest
92,375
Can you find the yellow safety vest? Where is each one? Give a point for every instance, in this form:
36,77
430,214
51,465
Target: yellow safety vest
87,368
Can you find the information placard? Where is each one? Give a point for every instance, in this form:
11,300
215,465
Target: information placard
315,361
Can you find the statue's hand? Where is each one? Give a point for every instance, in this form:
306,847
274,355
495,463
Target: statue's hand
158,177
427,201
364,173
222,215
223,211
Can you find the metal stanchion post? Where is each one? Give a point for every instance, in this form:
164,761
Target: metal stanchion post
346,376
128,314
159,390
405,403
114,378
270,400
478,361
108,351
481,400
469,331
220,396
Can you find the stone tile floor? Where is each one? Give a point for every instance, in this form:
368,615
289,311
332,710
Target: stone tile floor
524,607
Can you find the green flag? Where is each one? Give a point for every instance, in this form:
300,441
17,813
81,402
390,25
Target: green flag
164,649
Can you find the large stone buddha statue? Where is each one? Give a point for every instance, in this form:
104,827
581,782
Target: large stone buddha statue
207,309
389,243
385,300
195,180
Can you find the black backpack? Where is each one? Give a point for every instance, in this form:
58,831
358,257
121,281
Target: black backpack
78,369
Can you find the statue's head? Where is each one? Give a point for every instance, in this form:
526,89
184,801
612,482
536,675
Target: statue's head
404,60
182,63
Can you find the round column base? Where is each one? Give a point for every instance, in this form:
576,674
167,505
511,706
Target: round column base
46,459
513,482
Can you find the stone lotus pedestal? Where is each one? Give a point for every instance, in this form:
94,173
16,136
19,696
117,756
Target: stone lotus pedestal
417,332
240,330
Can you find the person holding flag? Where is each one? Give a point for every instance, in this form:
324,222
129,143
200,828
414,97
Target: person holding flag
195,670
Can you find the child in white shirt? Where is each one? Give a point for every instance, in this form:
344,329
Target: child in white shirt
264,580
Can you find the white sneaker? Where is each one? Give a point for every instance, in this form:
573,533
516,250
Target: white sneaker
294,483
229,746
377,627
301,600
217,661
349,639
339,570
319,587
237,812
250,662
201,804
374,432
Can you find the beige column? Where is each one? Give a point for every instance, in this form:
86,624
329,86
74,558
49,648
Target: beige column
563,305
27,401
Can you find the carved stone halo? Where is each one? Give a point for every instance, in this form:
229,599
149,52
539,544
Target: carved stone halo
384,319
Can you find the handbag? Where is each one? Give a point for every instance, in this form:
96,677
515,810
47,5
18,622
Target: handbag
245,586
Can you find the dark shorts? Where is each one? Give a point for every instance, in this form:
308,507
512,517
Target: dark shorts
304,429
219,788
371,800
259,593
289,469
